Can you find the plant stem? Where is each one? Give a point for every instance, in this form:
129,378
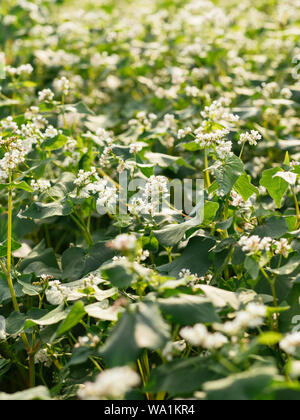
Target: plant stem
9,263
242,150
297,208
86,234
207,176
9,256
273,288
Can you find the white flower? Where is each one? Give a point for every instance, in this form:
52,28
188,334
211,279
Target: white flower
224,149
252,138
42,357
172,348
135,148
286,93
170,122
290,343
182,133
62,85
110,384
205,139
252,317
24,68
295,369
123,242
237,200
46,95
84,177
283,247
41,185
254,244
199,336
57,293
218,113
155,186
51,132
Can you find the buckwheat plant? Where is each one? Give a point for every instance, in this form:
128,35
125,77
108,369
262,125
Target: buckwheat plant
149,200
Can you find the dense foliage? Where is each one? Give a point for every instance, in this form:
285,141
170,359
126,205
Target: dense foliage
155,301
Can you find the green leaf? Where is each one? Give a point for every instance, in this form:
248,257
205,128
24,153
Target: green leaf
189,309
171,235
241,387
228,174
3,247
97,311
40,211
17,185
195,257
52,317
55,143
119,275
141,327
244,187
275,228
277,187
252,266
210,211
74,317
269,338
287,269
180,378
15,323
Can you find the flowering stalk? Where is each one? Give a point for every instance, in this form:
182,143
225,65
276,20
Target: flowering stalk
9,277
208,183
9,241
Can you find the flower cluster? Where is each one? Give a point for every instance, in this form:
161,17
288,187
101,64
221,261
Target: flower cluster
252,138
199,336
254,244
252,317
110,384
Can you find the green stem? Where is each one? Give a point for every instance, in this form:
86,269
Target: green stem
242,150
86,234
297,208
9,256
273,289
9,263
207,176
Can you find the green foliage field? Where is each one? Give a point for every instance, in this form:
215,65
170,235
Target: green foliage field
149,199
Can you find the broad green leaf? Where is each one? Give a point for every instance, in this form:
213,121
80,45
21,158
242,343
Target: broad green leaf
244,187
75,315
3,247
55,143
228,174
52,317
243,386
40,211
269,338
277,187
210,211
141,327
181,378
195,257
188,309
